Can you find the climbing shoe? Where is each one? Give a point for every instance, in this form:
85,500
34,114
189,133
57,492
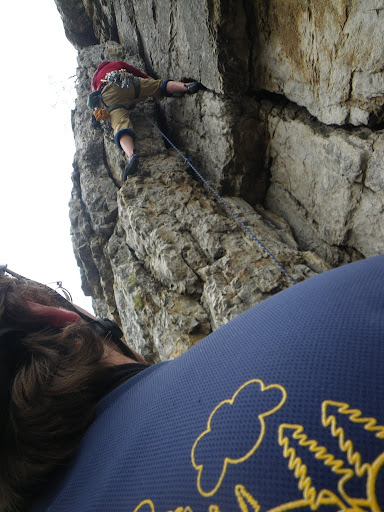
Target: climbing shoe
131,167
192,88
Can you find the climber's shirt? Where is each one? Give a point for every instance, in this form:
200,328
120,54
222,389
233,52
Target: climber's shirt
281,408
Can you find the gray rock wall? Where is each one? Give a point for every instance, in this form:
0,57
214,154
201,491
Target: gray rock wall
289,132
327,182
326,55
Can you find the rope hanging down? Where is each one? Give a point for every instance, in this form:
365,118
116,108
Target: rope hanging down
234,215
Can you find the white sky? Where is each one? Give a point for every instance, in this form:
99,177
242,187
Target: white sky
37,148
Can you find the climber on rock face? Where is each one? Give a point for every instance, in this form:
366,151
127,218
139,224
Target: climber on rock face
122,85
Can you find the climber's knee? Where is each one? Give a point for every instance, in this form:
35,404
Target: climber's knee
124,131
150,88
163,89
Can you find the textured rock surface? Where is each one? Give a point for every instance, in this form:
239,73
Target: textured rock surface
326,183
273,135
325,55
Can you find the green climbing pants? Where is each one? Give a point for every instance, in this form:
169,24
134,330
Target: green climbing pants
115,95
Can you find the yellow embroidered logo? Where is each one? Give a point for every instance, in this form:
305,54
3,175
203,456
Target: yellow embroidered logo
348,469
245,500
224,423
344,470
145,506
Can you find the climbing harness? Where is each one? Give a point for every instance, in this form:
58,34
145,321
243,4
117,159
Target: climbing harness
225,204
121,79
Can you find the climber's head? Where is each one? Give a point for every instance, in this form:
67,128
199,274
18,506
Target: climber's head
53,356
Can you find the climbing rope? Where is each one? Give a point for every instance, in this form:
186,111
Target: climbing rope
225,204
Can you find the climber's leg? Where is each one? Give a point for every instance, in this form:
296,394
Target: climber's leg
125,139
150,88
127,144
123,130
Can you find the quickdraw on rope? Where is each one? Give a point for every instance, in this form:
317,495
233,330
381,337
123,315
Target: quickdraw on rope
225,204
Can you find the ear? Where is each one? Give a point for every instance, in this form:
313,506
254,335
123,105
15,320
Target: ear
56,317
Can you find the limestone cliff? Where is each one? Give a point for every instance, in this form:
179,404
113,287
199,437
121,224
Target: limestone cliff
290,132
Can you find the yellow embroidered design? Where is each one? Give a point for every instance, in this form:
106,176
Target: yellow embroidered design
140,508
346,445
300,469
245,500
372,481
226,410
291,436
314,498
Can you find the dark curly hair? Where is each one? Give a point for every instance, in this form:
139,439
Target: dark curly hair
50,402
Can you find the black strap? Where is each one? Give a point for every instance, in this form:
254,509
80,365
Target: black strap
115,107
136,85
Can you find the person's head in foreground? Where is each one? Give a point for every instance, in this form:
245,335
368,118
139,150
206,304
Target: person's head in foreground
54,363
280,409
